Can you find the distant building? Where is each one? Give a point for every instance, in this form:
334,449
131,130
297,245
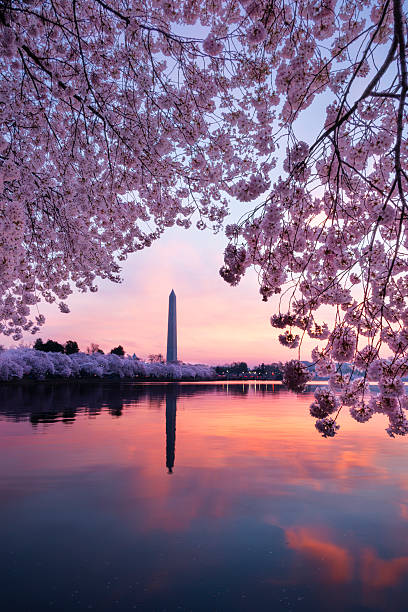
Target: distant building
172,329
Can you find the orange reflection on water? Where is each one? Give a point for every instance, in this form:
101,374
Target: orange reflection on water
335,562
404,510
238,454
379,573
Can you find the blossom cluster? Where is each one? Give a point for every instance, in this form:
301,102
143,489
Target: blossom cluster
295,375
115,127
332,233
326,403
360,396
358,393
32,364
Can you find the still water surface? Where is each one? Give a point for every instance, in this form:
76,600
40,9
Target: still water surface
201,497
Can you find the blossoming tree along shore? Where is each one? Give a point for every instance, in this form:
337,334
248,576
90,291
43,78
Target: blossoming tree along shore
118,121
26,363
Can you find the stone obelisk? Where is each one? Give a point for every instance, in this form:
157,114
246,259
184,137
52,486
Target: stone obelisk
172,329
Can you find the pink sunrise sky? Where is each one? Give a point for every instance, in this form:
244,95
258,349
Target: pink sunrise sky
216,323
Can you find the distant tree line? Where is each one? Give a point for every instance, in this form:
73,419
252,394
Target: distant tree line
70,347
239,369
273,371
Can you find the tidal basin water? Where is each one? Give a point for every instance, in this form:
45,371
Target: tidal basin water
201,497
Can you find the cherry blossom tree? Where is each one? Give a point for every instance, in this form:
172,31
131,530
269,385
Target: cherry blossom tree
38,365
120,118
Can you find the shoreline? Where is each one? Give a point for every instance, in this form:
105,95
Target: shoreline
143,380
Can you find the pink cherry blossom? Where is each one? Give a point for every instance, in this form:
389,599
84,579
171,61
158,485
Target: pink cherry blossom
29,363
327,427
295,375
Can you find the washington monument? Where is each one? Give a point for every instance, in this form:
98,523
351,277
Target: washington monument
172,329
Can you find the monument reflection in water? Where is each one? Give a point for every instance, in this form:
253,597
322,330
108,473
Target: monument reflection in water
171,410
260,513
